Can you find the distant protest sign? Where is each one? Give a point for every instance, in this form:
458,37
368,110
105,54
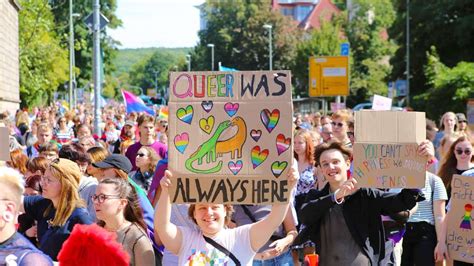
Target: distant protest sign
460,236
4,144
386,149
230,136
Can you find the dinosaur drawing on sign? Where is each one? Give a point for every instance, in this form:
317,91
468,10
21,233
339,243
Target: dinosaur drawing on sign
208,150
235,143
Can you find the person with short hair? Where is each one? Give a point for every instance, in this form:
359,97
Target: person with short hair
343,220
44,135
241,242
146,126
15,249
49,151
340,126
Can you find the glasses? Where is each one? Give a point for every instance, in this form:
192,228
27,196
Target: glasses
460,151
102,197
47,181
463,121
141,155
334,124
62,121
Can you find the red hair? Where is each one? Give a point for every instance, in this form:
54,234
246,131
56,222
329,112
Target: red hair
309,153
18,160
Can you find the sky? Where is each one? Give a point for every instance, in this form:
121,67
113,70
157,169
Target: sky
157,23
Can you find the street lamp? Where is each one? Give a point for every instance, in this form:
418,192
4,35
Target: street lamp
72,76
211,45
408,53
155,72
270,50
188,60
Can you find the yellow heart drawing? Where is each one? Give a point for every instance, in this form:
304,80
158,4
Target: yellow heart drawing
207,124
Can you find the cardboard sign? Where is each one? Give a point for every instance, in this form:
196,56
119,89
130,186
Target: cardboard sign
4,144
460,236
386,149
230,138
381,103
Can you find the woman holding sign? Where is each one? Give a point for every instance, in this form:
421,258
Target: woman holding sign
213,243
458,159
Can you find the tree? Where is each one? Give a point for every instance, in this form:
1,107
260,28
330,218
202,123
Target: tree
240,41
324,41
370,48
43,61
83,37
447,25
455,85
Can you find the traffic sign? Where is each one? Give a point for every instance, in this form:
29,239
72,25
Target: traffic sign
89,21
345,49
401,87
328,76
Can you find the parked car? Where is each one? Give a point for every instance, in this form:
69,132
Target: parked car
368,106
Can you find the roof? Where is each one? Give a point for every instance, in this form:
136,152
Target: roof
324,9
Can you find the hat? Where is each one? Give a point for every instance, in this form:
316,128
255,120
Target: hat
461,117
115,161
129,123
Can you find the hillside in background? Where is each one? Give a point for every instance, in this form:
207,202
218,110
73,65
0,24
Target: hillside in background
126,58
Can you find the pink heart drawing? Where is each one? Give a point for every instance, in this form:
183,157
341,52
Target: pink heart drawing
231,108
255,134
282,143
235,167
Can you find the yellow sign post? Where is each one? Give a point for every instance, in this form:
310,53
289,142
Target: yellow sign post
328,76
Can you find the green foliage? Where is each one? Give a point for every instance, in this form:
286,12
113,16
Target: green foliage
325,41
370,50
447,25
83,37
43,61
241,42
455,85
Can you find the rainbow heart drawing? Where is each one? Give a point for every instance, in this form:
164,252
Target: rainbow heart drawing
235,167
255,134
278,168
258,157
185,114
207,105
270,120
207,124
282,143
181,142
231,108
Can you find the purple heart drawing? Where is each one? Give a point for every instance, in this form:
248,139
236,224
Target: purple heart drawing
207,105
231,108
235,167
255,134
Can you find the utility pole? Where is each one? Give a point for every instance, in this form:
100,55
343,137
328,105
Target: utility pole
188,60
71,86
270,47
408,53
96,62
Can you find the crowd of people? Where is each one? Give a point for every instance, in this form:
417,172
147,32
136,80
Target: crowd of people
63,183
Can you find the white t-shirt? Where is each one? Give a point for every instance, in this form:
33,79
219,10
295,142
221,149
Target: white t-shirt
196,251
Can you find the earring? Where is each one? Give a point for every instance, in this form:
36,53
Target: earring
7,217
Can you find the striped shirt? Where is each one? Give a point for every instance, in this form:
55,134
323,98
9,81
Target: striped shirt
434,190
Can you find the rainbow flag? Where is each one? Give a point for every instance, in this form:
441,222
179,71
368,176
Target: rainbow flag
163,113
135,104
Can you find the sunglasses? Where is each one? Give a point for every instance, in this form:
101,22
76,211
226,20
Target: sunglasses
337,124
141,155
467,151
463,121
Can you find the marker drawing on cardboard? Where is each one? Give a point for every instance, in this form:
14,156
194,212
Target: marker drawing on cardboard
230,136
459,234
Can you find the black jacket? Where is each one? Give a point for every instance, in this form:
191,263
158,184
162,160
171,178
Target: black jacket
362,212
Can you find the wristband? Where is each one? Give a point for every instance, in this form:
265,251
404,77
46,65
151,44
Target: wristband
334,199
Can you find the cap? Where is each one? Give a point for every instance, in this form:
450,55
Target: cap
461,117
115,161
129,123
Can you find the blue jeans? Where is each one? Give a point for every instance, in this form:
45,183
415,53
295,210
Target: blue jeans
284,259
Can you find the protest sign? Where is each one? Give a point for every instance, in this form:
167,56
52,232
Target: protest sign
381,103
4,144
459,235
230,136
386,149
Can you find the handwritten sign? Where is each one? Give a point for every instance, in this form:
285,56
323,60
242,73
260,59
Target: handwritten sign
460,236
230,136
389,166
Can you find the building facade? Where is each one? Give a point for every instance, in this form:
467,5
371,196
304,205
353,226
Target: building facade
9,56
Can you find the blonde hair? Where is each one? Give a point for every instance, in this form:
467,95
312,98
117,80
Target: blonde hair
12,184
344,114
44,127
125,144
98,154
69,176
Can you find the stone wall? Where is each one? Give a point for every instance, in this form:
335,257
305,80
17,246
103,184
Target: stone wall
9,56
